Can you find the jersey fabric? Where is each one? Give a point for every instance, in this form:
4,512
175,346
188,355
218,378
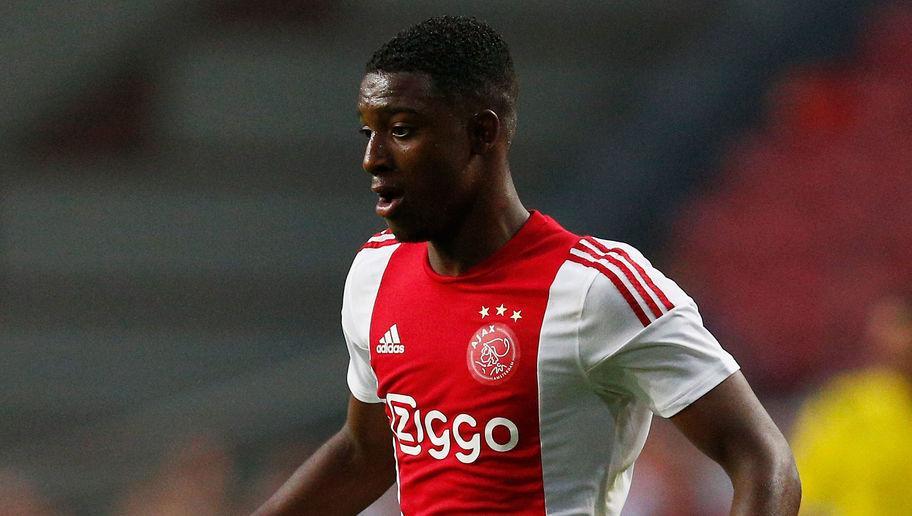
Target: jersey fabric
527,385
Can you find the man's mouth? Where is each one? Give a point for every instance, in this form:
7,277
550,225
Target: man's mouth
389,200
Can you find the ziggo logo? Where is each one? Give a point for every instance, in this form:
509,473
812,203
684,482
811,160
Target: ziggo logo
404,410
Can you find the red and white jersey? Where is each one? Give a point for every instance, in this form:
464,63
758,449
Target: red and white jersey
526,386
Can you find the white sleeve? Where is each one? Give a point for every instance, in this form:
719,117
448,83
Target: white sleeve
358,299
361,378
655,350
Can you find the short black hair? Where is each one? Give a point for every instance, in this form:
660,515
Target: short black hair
465,59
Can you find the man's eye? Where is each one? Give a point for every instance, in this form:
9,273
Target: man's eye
401,131
365,131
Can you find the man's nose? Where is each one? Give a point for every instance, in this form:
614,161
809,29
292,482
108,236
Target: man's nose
376,155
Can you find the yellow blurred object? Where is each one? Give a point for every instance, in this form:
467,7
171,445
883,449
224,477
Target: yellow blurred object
853,445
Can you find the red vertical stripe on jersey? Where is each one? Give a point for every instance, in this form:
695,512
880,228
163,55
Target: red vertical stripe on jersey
634,305
652,286
630,277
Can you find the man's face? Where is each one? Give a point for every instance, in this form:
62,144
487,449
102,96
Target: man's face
419,154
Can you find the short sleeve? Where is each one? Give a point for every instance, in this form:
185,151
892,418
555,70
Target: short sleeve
361,287
642,336
361,378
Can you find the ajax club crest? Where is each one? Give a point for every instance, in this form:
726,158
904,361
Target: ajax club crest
493,353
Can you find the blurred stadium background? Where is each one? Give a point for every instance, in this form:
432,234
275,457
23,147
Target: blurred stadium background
180,197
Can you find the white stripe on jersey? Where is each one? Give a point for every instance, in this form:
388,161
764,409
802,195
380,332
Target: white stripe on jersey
395,333
382,237
586,450
357,307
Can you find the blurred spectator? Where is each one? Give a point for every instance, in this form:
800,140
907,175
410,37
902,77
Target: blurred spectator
853,440
272,470
195,480
19,497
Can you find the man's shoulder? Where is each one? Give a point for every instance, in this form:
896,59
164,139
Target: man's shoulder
384,238
368,267
607,256
600,246
373,255
621,278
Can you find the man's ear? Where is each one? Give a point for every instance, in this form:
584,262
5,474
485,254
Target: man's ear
485,130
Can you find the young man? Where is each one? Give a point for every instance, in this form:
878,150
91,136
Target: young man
514,366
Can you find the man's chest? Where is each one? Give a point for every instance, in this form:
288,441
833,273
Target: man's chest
458,366
446,341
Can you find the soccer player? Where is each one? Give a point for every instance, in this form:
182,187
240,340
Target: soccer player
499,363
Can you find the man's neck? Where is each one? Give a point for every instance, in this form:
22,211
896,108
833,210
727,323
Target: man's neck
485,230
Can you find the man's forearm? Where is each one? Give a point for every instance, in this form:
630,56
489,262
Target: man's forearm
731,427
340,478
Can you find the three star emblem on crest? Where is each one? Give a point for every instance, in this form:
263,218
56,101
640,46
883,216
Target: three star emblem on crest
501,311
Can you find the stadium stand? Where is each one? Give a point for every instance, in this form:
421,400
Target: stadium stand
810,218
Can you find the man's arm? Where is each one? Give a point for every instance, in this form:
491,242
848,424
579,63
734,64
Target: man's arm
351,470
730,426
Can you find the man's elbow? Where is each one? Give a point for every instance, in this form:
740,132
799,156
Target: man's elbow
786,472
772,475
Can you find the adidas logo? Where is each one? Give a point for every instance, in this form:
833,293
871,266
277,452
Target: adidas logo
390,343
